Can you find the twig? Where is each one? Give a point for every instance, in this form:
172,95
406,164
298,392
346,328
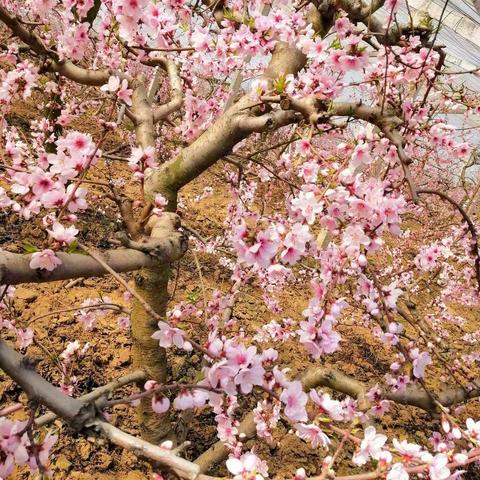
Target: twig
97,306
470,224
134,377
140,299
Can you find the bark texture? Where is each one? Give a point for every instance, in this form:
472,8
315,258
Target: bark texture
15,267
152,284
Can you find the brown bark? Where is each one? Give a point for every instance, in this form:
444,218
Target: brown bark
151,284
17,367
15,269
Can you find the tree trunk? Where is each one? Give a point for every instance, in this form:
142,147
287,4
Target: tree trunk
152,285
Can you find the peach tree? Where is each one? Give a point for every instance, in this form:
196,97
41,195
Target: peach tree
329,124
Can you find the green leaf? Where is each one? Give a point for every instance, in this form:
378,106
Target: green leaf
192,297
228,14
29,248
324,419
336,44
73,248
280,84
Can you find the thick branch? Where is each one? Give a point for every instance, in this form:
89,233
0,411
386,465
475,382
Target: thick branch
65,68
233,126
417,397
80,414
16,366
168,245
83,76
141,114
133,377
268,121
15,269
183,468
176,91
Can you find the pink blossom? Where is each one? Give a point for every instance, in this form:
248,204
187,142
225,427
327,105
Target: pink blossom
419,364
308,205
43,451
124,93
462,150
245,364
45,260
121,89
42,7
77,202
24,337
427,258
200,39
123,321
160,201
142,158
304,146
313,434
361,155
397,472
41,183
393,5
188,399
63,235
438,469
353,239
370,447
309,171
226,428
263,250
295,243
333,408
4,200
473,428
87,318
380,408
247,467
266,418
113,84
160,403
318,340
409,451
77,144
73,42
54,198
295,400
168,336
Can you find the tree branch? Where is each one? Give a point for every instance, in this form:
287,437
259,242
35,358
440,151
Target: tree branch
65,68
315,377
176,91
232,126
15,268
470,225
133,377
82,415
314,111
16,366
